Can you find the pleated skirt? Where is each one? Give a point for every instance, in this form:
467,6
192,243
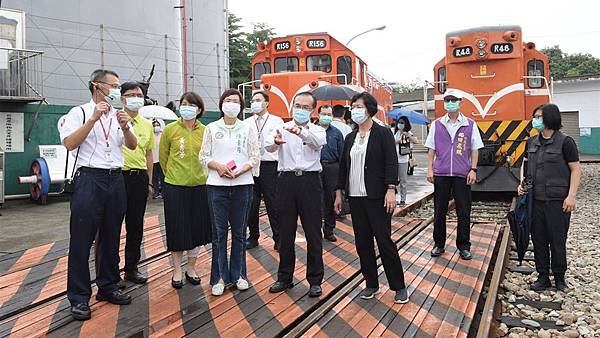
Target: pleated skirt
187,218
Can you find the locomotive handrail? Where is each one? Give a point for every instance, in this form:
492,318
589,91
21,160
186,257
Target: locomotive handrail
336,75
545,83
482,76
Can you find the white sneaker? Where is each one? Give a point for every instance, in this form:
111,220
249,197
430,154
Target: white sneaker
217,289
242,284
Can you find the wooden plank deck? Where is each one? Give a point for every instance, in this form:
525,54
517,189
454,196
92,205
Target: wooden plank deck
443,292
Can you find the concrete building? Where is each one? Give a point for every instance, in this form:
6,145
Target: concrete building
186,41
579,100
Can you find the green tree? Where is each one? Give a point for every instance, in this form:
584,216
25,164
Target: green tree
242,47
568,65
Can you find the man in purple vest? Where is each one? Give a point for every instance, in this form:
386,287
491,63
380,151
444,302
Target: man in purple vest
453,143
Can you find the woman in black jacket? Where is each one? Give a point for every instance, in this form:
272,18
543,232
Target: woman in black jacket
369,175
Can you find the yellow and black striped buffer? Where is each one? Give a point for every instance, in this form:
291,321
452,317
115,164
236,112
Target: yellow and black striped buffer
510,135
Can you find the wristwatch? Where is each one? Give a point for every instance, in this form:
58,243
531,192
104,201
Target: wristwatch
391,186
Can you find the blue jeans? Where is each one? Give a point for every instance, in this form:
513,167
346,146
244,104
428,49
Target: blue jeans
229,206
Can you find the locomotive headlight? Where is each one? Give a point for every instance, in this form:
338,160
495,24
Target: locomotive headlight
481,53
481,44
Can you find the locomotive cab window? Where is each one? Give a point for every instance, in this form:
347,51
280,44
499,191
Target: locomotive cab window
286,64
318,63
344,66
535,68
261,68
442,84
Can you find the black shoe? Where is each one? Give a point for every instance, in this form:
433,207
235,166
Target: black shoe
560,283
280,287
135,276
465,254
437,251
315,291
401,296
330,237
402,203
368,293
541,284
251,243
115,297
81,312
176,284
192,280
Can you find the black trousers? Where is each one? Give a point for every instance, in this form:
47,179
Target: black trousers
137,197
370,219
157,179
549,236
98,205
444,188
329,177
300,196
265,186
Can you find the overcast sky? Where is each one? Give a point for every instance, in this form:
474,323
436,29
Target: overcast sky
414,38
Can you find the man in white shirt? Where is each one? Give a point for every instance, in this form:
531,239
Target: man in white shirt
454,142
96,131
338,120
299,192
265,185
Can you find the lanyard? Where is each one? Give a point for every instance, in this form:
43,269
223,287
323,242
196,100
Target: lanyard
106,133
263,126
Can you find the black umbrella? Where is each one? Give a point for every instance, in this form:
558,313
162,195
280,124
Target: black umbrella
332,92
520,223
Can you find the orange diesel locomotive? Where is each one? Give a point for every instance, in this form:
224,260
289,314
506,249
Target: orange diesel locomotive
502,80
292,64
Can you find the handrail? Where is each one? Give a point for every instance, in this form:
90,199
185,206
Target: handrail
482,76
336,75
23,50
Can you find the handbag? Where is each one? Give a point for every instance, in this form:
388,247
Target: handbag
68,186
404,148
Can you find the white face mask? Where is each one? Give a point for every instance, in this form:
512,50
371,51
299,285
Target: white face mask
256,107
231,109
157,129
134,103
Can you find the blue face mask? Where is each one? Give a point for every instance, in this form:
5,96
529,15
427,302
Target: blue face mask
301,116
358,115
452,106
325,120
538,123
188,112
401,126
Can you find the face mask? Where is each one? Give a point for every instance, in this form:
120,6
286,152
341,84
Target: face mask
401,126
230,109
256,107
451,107
538,123
157,129
114,98
134,103
301,116
325,120
188,112
358,115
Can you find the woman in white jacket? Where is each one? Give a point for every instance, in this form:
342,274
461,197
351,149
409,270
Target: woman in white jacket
230,151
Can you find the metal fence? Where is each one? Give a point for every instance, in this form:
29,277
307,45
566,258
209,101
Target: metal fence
20,74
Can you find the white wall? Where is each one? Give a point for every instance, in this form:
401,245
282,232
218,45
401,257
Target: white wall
582,96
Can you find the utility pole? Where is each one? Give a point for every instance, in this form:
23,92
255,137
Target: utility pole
166,69
102,46
218,69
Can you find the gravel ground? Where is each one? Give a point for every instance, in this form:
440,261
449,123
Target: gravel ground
580,312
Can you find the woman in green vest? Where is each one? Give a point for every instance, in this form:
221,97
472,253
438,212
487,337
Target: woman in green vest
187,219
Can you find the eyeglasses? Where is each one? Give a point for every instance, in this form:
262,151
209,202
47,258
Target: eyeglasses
305,107
451,99
112,85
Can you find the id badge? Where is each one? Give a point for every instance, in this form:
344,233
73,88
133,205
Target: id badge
108,153
261,144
